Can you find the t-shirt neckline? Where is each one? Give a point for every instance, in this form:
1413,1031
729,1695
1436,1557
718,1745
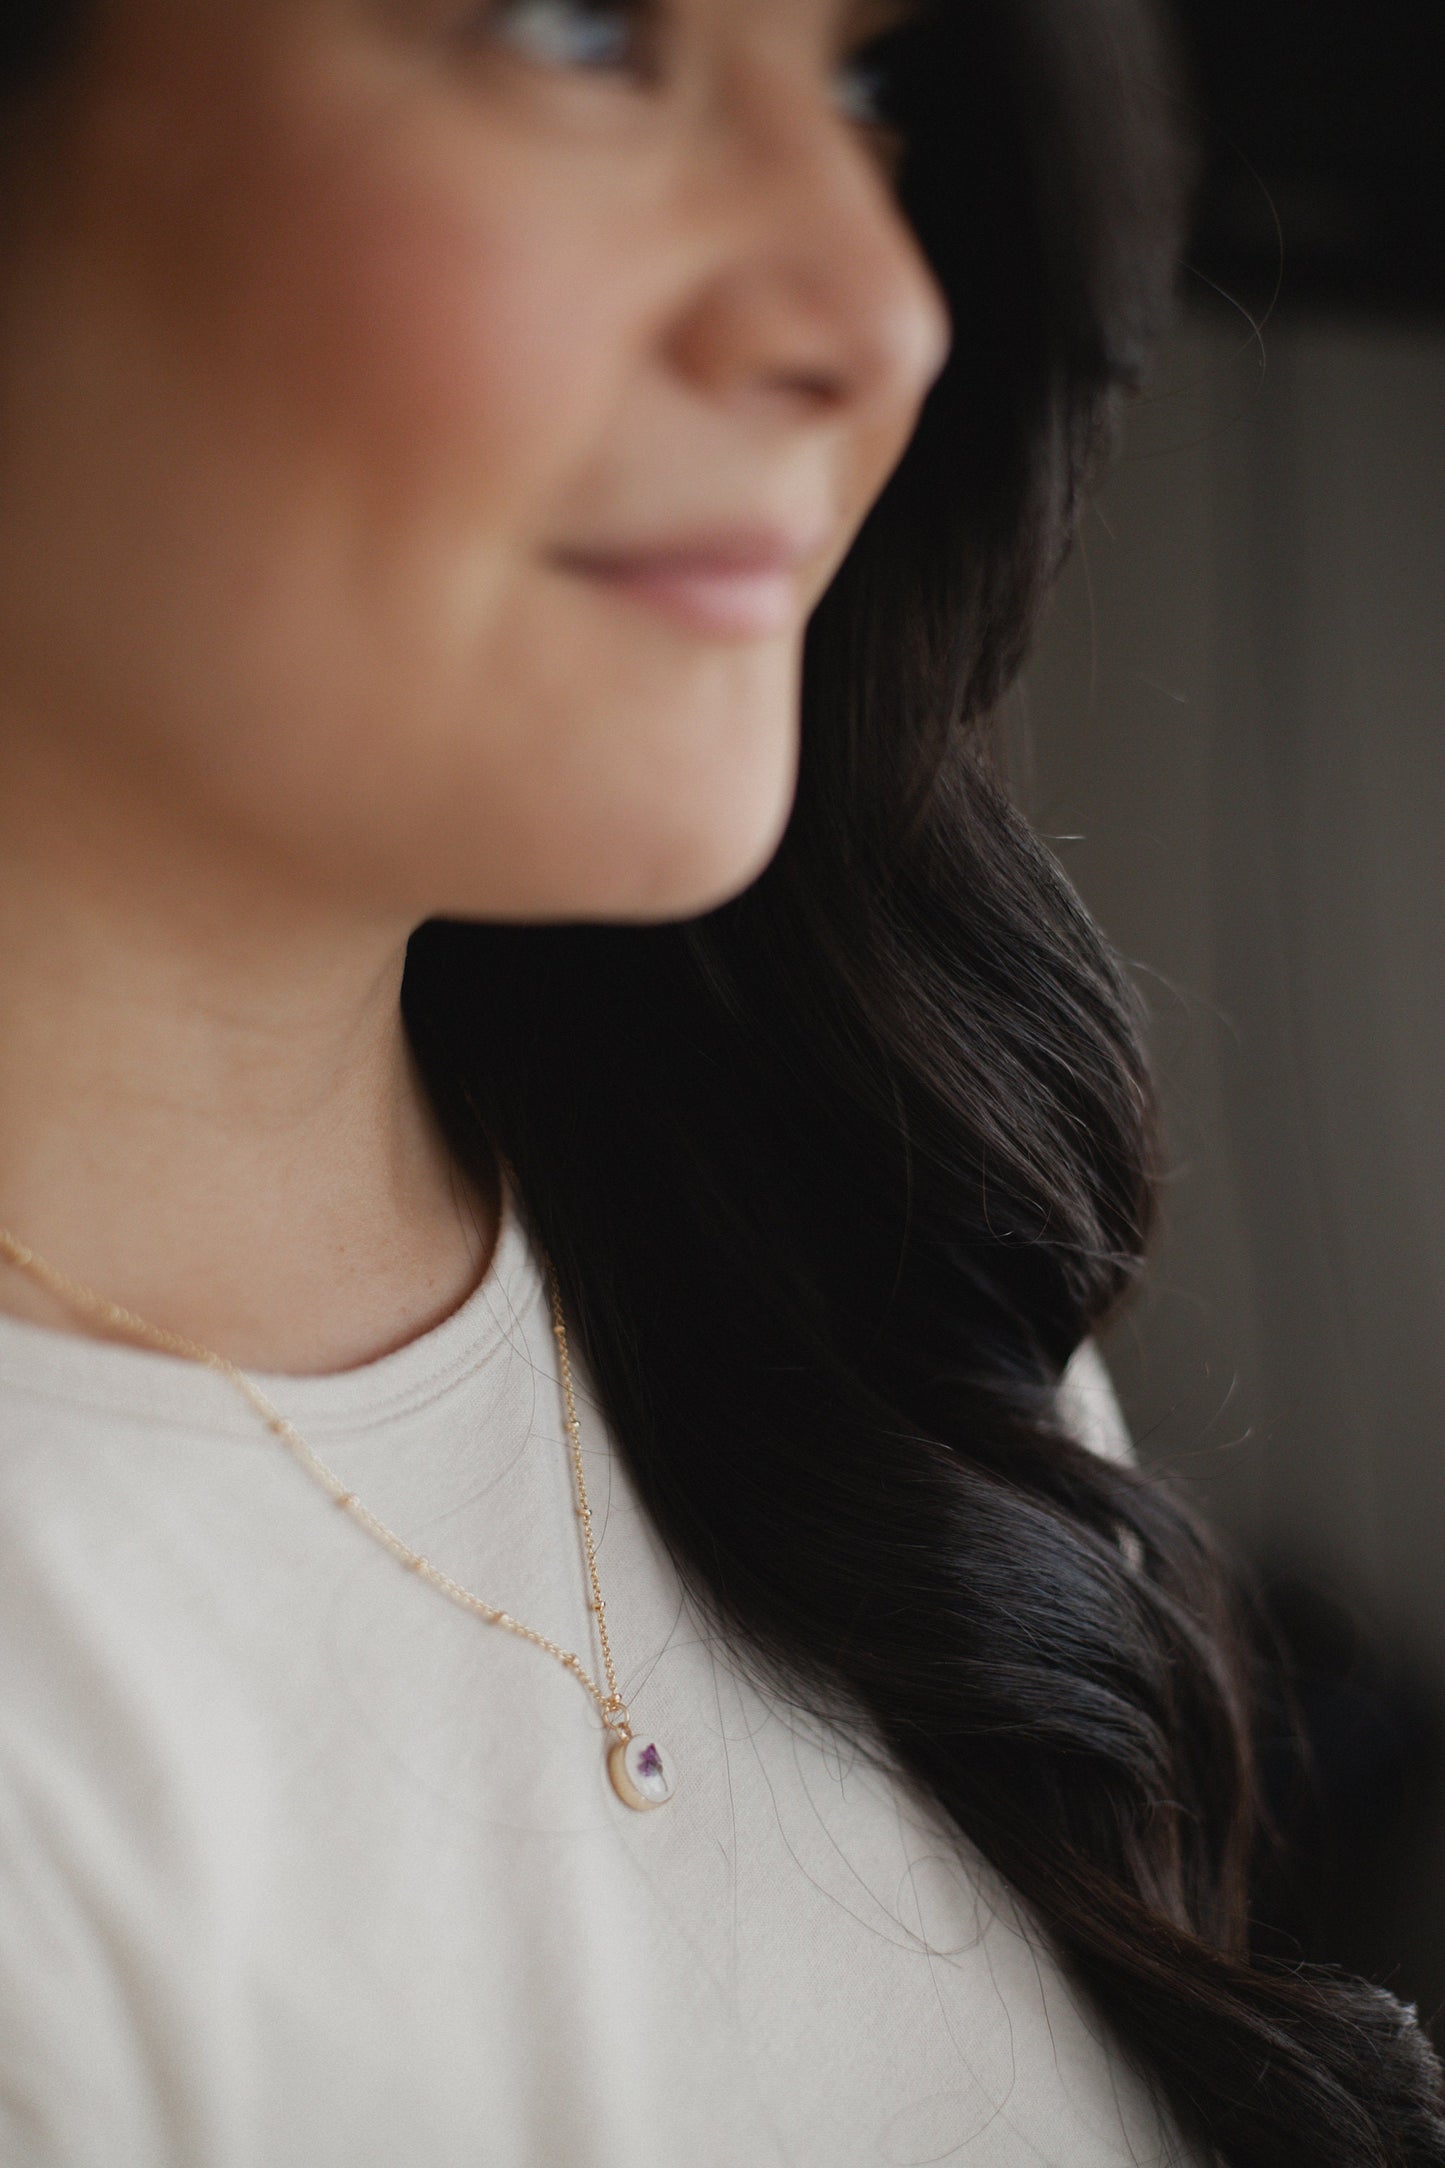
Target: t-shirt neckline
59,1365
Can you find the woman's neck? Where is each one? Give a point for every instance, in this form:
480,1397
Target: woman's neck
210,1114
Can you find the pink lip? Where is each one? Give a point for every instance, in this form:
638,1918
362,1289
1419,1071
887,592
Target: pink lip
731,586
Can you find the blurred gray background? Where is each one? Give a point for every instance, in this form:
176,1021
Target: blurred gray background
1234,734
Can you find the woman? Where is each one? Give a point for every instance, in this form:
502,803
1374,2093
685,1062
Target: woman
513,1056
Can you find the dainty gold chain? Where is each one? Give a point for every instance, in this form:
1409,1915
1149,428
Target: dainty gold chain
85,1301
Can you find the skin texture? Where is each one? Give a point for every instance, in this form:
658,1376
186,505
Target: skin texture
338,338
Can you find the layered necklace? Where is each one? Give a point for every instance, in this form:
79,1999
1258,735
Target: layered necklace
641,1773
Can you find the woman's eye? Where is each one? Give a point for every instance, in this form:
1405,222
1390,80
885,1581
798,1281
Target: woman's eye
866,87
861,92
881,57
588,34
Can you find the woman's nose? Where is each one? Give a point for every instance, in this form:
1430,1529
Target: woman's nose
818,300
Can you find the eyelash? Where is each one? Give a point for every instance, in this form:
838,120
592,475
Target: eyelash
620,37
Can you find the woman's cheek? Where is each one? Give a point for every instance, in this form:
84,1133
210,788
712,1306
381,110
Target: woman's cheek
437,328
387,278
450,354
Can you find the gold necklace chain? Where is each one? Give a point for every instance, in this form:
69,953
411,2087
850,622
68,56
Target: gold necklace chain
641,1774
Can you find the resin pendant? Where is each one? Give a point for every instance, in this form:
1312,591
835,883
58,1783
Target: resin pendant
641,1774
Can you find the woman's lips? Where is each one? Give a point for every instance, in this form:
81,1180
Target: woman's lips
738,589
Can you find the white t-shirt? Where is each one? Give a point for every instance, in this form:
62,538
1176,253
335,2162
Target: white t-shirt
303,1867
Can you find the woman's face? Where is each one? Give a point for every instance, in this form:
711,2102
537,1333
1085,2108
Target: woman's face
425,428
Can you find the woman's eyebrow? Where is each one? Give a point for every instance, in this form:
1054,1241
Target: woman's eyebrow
861,21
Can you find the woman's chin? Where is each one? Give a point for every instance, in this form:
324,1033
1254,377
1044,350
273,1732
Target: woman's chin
688,875
646,879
